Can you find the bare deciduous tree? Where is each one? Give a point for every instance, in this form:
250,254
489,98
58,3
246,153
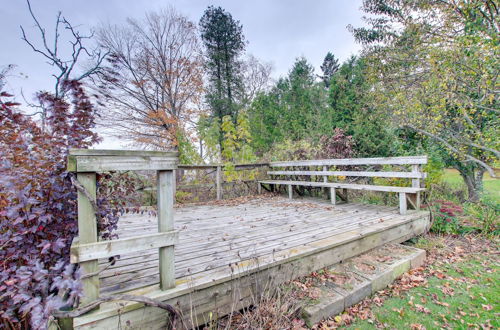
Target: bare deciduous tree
256,78
66,65
67,61
155,78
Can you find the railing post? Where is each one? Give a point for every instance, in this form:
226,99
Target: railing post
415,183
218,183
165,196
333,195
87,233
325,180
174,183
402,203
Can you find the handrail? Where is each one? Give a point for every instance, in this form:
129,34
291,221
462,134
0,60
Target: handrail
407,160
207,166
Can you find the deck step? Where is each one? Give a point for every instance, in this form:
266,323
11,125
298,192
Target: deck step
349,282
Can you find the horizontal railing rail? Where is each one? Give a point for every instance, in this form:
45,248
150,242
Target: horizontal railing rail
408,160
408,175
408,167
219,168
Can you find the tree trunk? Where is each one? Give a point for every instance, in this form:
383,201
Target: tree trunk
473,179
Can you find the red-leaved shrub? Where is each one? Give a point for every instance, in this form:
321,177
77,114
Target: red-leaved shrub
38,210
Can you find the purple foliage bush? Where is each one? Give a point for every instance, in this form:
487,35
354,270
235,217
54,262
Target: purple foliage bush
337,145
38,209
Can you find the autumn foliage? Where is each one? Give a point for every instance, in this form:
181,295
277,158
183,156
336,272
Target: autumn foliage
38,209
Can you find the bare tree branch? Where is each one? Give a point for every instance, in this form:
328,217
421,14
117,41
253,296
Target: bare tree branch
65,66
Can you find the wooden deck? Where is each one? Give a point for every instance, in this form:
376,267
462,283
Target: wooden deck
229,251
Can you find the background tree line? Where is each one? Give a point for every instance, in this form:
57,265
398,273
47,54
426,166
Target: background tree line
419,86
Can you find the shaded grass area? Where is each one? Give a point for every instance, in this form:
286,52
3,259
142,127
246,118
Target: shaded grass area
459,288
491,185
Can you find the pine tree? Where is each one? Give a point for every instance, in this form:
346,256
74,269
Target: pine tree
224,44
329,67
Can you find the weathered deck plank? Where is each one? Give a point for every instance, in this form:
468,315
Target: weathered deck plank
234,240
274,239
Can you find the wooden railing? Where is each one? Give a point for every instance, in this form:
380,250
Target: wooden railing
87,249
219,168
328,168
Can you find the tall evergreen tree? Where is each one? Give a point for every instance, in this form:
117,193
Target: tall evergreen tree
329,67
294,109
224,44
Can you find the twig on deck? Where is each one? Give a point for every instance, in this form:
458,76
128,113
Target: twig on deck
111,263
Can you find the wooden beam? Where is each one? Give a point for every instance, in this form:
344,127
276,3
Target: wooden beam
87,233
119,163
346,197
165,190
243,166
105,249
413,200
416,183
333,195
218,185
345,186
290,191
122,153
409,160
402,203
325,174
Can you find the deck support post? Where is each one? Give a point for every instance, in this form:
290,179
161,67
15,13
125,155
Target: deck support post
259,188
165,196
415,183
333,195
290,191
402,203
174,183
325,180
218,183
87,233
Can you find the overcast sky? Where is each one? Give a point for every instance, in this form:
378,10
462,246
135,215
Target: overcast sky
277,31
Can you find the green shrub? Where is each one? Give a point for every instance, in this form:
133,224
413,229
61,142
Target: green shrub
484,215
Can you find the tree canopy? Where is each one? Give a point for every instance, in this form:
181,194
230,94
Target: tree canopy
438,77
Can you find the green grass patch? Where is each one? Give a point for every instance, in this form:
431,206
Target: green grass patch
461,295
491,185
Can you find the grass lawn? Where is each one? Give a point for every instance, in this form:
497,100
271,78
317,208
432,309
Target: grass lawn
460,290
491,185
458,287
